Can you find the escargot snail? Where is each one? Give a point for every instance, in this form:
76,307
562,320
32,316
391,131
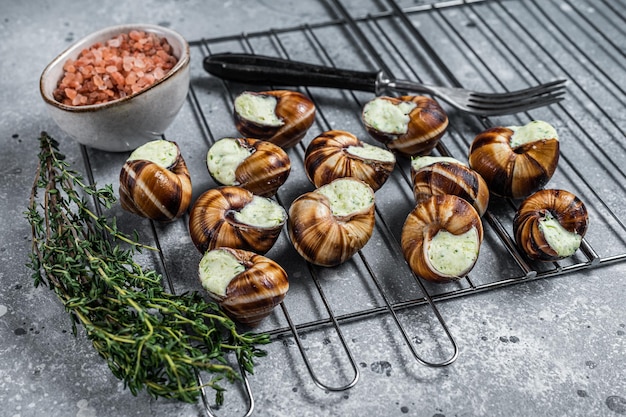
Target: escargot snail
550,225
432,175
234,217
441,238
411,125
280,116
518,160
155,182
330,224
246,285
338,154
256,165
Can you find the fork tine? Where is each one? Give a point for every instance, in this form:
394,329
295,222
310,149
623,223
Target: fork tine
501,98
521,101
524,106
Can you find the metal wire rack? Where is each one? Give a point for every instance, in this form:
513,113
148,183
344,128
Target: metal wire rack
485,45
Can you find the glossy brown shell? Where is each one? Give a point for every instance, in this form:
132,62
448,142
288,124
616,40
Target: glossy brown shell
447,212
323,238
265,170
254,293
513,172
212,223
155,192
451,178
564,206
427,124
327,158
296,111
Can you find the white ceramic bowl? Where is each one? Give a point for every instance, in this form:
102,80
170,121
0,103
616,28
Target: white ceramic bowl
128,122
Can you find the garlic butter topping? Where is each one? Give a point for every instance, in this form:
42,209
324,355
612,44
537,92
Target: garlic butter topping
452,254
367,151
420,162
223,159
388,117
564,242
161,152
258,108
531,132
347,196
261,212
217,269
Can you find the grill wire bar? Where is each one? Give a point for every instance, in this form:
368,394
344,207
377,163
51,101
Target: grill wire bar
372,25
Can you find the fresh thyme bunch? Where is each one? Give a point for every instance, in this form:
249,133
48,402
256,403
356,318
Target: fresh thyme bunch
151,339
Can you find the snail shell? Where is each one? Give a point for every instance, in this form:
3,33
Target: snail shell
411,125
338,154
325,234
155,182
280,116
441,238
447,176
246,285
511,169
233,217
537,234
256,165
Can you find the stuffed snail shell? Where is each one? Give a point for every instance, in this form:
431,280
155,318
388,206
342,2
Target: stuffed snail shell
279,116
155,182
256,165
329,225
245,284
441,238
516,161
339,154
550,225
410,125
432,175
234,217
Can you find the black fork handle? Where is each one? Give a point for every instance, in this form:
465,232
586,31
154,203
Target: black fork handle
258,69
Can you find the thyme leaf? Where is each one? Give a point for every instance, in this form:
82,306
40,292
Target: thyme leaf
151,340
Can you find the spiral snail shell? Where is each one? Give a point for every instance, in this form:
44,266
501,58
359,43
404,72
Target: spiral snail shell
329,225
256,165
279,116
441,238
518,160
433,175
550,225
155,182
338,154
233,217
410,125
246,285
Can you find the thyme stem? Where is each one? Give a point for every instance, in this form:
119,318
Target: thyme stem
151,339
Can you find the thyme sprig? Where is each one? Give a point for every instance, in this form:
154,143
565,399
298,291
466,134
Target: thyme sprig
151,339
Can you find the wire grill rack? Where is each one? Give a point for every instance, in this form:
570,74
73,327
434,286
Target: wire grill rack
484,45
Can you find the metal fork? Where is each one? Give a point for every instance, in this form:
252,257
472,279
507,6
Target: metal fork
257,69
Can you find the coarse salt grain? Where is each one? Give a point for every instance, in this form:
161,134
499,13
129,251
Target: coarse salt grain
119,67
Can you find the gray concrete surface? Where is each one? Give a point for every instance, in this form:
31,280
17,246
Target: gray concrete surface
549,347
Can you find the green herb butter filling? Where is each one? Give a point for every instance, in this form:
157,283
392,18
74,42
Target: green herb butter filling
258,108
420,162
223,159
347,196
261,212
161,152
368,151
217,268
531,132
564,242
385,116
451,254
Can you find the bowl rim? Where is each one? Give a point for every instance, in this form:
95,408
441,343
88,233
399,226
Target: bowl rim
183,61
